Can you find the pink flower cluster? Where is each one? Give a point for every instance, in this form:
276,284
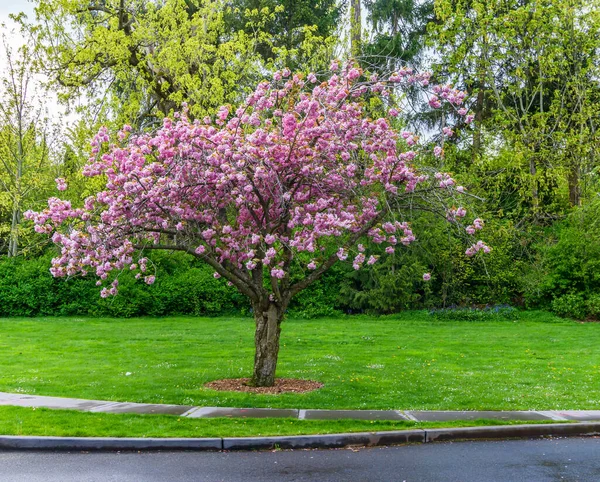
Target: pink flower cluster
454,213
478,246
445,180
451,95
61,184
476,226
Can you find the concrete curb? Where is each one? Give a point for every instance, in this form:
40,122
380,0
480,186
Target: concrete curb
16,442
329,441
512,431
365,439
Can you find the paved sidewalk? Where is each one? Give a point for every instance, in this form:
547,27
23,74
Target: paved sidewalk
103,406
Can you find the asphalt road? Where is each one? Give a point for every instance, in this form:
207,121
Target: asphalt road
572,459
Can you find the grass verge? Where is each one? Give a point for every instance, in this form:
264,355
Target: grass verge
69,423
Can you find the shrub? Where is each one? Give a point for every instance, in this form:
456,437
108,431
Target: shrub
566,276
572,305
489,313
185,287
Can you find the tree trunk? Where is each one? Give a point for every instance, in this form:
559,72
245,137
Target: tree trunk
268,317
355,28
535,197
13,245
478,122
574,189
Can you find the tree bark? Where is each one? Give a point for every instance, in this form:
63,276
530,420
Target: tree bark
574,190
479,104
13,245
268,317
533,171
355,28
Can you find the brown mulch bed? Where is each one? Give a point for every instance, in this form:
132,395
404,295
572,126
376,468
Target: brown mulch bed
282,385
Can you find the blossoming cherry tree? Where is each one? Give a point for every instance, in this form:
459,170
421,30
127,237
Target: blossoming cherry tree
295,178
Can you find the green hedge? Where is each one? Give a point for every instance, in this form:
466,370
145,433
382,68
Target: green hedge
183,286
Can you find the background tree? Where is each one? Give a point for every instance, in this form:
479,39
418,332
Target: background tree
398,31
24,146
271,195
533,67
138,60
141,58
282,25
460,36
355,28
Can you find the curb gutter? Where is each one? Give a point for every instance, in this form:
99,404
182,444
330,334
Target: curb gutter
366,439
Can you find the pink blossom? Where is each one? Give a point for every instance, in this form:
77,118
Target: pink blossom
435,102
61,184
353,74
341,254
389,228
395,77
426,276
475,248
312,265
289,124
454,213
278,273
358,260
222,114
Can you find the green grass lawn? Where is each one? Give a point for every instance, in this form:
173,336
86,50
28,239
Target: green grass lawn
408,361
67,423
